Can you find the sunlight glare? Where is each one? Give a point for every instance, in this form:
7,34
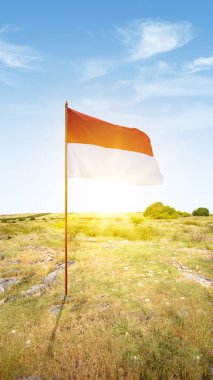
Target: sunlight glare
100,195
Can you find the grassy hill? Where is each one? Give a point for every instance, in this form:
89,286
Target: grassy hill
139,304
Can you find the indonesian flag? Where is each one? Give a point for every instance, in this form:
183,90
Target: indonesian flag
101,150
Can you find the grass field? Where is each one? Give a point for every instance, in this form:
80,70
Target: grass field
139,304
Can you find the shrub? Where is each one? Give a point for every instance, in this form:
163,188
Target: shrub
201,211
158,211
183,214
136,219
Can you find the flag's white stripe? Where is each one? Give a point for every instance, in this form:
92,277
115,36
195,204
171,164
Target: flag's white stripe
92,161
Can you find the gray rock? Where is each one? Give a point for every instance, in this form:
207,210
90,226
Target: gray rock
5,283
196,277
51,278
61,266
64,299
8,299
187,273
36,290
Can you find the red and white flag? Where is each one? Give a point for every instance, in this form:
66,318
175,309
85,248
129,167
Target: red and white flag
101,150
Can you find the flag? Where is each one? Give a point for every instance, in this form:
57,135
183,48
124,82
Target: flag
101,150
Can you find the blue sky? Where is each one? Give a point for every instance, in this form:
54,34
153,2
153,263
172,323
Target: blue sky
141,63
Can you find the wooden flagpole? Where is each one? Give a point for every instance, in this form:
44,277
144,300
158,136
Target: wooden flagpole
66,201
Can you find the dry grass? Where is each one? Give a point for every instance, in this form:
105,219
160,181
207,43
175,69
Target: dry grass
130,315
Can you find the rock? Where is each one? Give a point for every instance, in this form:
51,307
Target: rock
40,249
10,298
61,266
36,290
51,278
196,277
65,299
7,299
5,283
187,273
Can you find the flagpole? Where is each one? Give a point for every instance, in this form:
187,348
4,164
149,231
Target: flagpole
66,201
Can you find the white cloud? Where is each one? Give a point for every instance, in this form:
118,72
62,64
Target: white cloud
14,55
145,39
188,117
178,86
199,64
163,67
155,119
95,68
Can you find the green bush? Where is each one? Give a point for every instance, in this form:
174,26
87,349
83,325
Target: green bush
201,211
183,214
137,219
158,211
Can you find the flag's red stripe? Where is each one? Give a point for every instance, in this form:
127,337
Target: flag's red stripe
84,129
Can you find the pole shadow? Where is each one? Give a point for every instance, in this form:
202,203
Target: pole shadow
54,331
